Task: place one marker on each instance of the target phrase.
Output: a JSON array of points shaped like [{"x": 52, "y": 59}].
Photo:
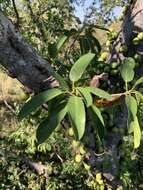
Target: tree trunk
[{"x": 21, "y": 59}]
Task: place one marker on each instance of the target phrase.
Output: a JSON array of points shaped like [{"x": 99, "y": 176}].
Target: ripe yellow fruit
[
  {"x": 75, "y": 144},
  {"x": 86, "y": 166},
  {"x": 100, "y": 59},
  {"x": 102, "y": 187},
  {"x": 104, "y": 55},
  {"x": 78, "y": 158},
  {"x": 111, "y": 29},
  {"x": 50, "y": 169},
  {"x": 98, "y": 176},
  {"x": 81, "y": 150},
  {"x": 108, "y": 43},
  {"x": 119, "y": 188},
  {"x": 100, "y": 182},
  {"x": 70, "y": 132},
  {"x": 140, "y": 36}
]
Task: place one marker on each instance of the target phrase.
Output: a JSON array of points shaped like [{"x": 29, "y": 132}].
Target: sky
[{"x": 80, "y": 11}]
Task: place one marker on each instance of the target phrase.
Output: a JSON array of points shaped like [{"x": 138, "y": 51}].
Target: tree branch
[{"x": 21, "y": 59}]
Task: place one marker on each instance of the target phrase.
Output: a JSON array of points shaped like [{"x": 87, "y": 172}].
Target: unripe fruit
[
  {"x": 114, "y": 72},
  {"x": 81, "y": 150},
  {"x": 120, "y": 18},
  {"x": 107, "y": 69},
  {"x": 24, "y": 96},
  {"x": 136, "y": 41},
  {"x": 78, "y": 158},
  {"x": 137, "y": 57},
  {"x": 114, "y": 35},
  {"x": 140, "y": 36},
  {"x": 114, "y": 65},
  {"x": 70, "y": 132},
  {"x": 123, "y": 49}
]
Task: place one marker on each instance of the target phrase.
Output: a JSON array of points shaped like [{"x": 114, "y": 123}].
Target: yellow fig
[
  {"x": 140, "y": 36},
  {"x": 70, "y": 132},
  {"x": 119, "y": 188},
  {"x": 100, "y": 182},
  {"x": 104, "y": 55},
  {"x": 75, "y": 144},
  {"x": 78, "y": 158},
  {"x": 82, "y": 150},
  {"x": 86, "y": 166},
  {"x": 98, "y": 176}
]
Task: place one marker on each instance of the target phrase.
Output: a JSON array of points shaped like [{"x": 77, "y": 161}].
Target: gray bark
[{"x": 21, "y": 59}]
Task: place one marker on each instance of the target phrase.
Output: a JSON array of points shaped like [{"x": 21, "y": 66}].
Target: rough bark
[{"x": 21, "y": 59}]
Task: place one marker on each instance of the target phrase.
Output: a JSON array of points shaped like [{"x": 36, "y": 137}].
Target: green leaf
[
  {"x": 140, "y": 96},
  {"x": 99, "y": 92},
  {"x": 98, "y": 113},
  {"x": 137, "y": 132},
  {"x": 84, "y": 44},
  {"x": 127, "y": 73},
  {"x": 46, "y": 128},
  {"x": 61, "y": 81},
  {"x": 139, "y": 81},
  {"x": 131, "y": 105},
  {"x": 95, "y": 45},
  {"x": 77, "y": 115},
  {"x": 37, "y": 101},
  {"x": 130, "y": 62},
  {"x": 97, "y": 122},
  {"x": 127, "y": 69},
  {"x": 79, "y": 67},
  {"x": 52, "y": 50},
  {"x": 86, "y": 95},
  {"x": 61, "y": 42}
]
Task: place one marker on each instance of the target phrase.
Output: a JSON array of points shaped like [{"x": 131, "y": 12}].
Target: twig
[
  {"x": 9, "y": 107},
  {"x": 16, "y": 13}
]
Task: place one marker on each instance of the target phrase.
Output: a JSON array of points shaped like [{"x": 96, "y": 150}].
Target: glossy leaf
[
  {"x": 62, "y": 82},
  {"x": 61, "y": 42},
  {"x": 130, "y": 62},
  {"x": 131, "y": 105},
  {"x": 86, "y": 95},
  {"x": 127, "y": 69},
  {"x": 95, "y": 45},
  {"x": 37, "y": 101},
  {"x": 77, "y": 115},
  {"x": 137, "y": 132},
  {"x": 139, "y": 81},
  {"x": 79, "y": 67},
  {"x": 98, "y": 113},
  {"x": 127, "y": 73},
  {"x": 97, "y": 124},
  {"x": 99, "y": 92},
  {"x": 46, "y": 128}
]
